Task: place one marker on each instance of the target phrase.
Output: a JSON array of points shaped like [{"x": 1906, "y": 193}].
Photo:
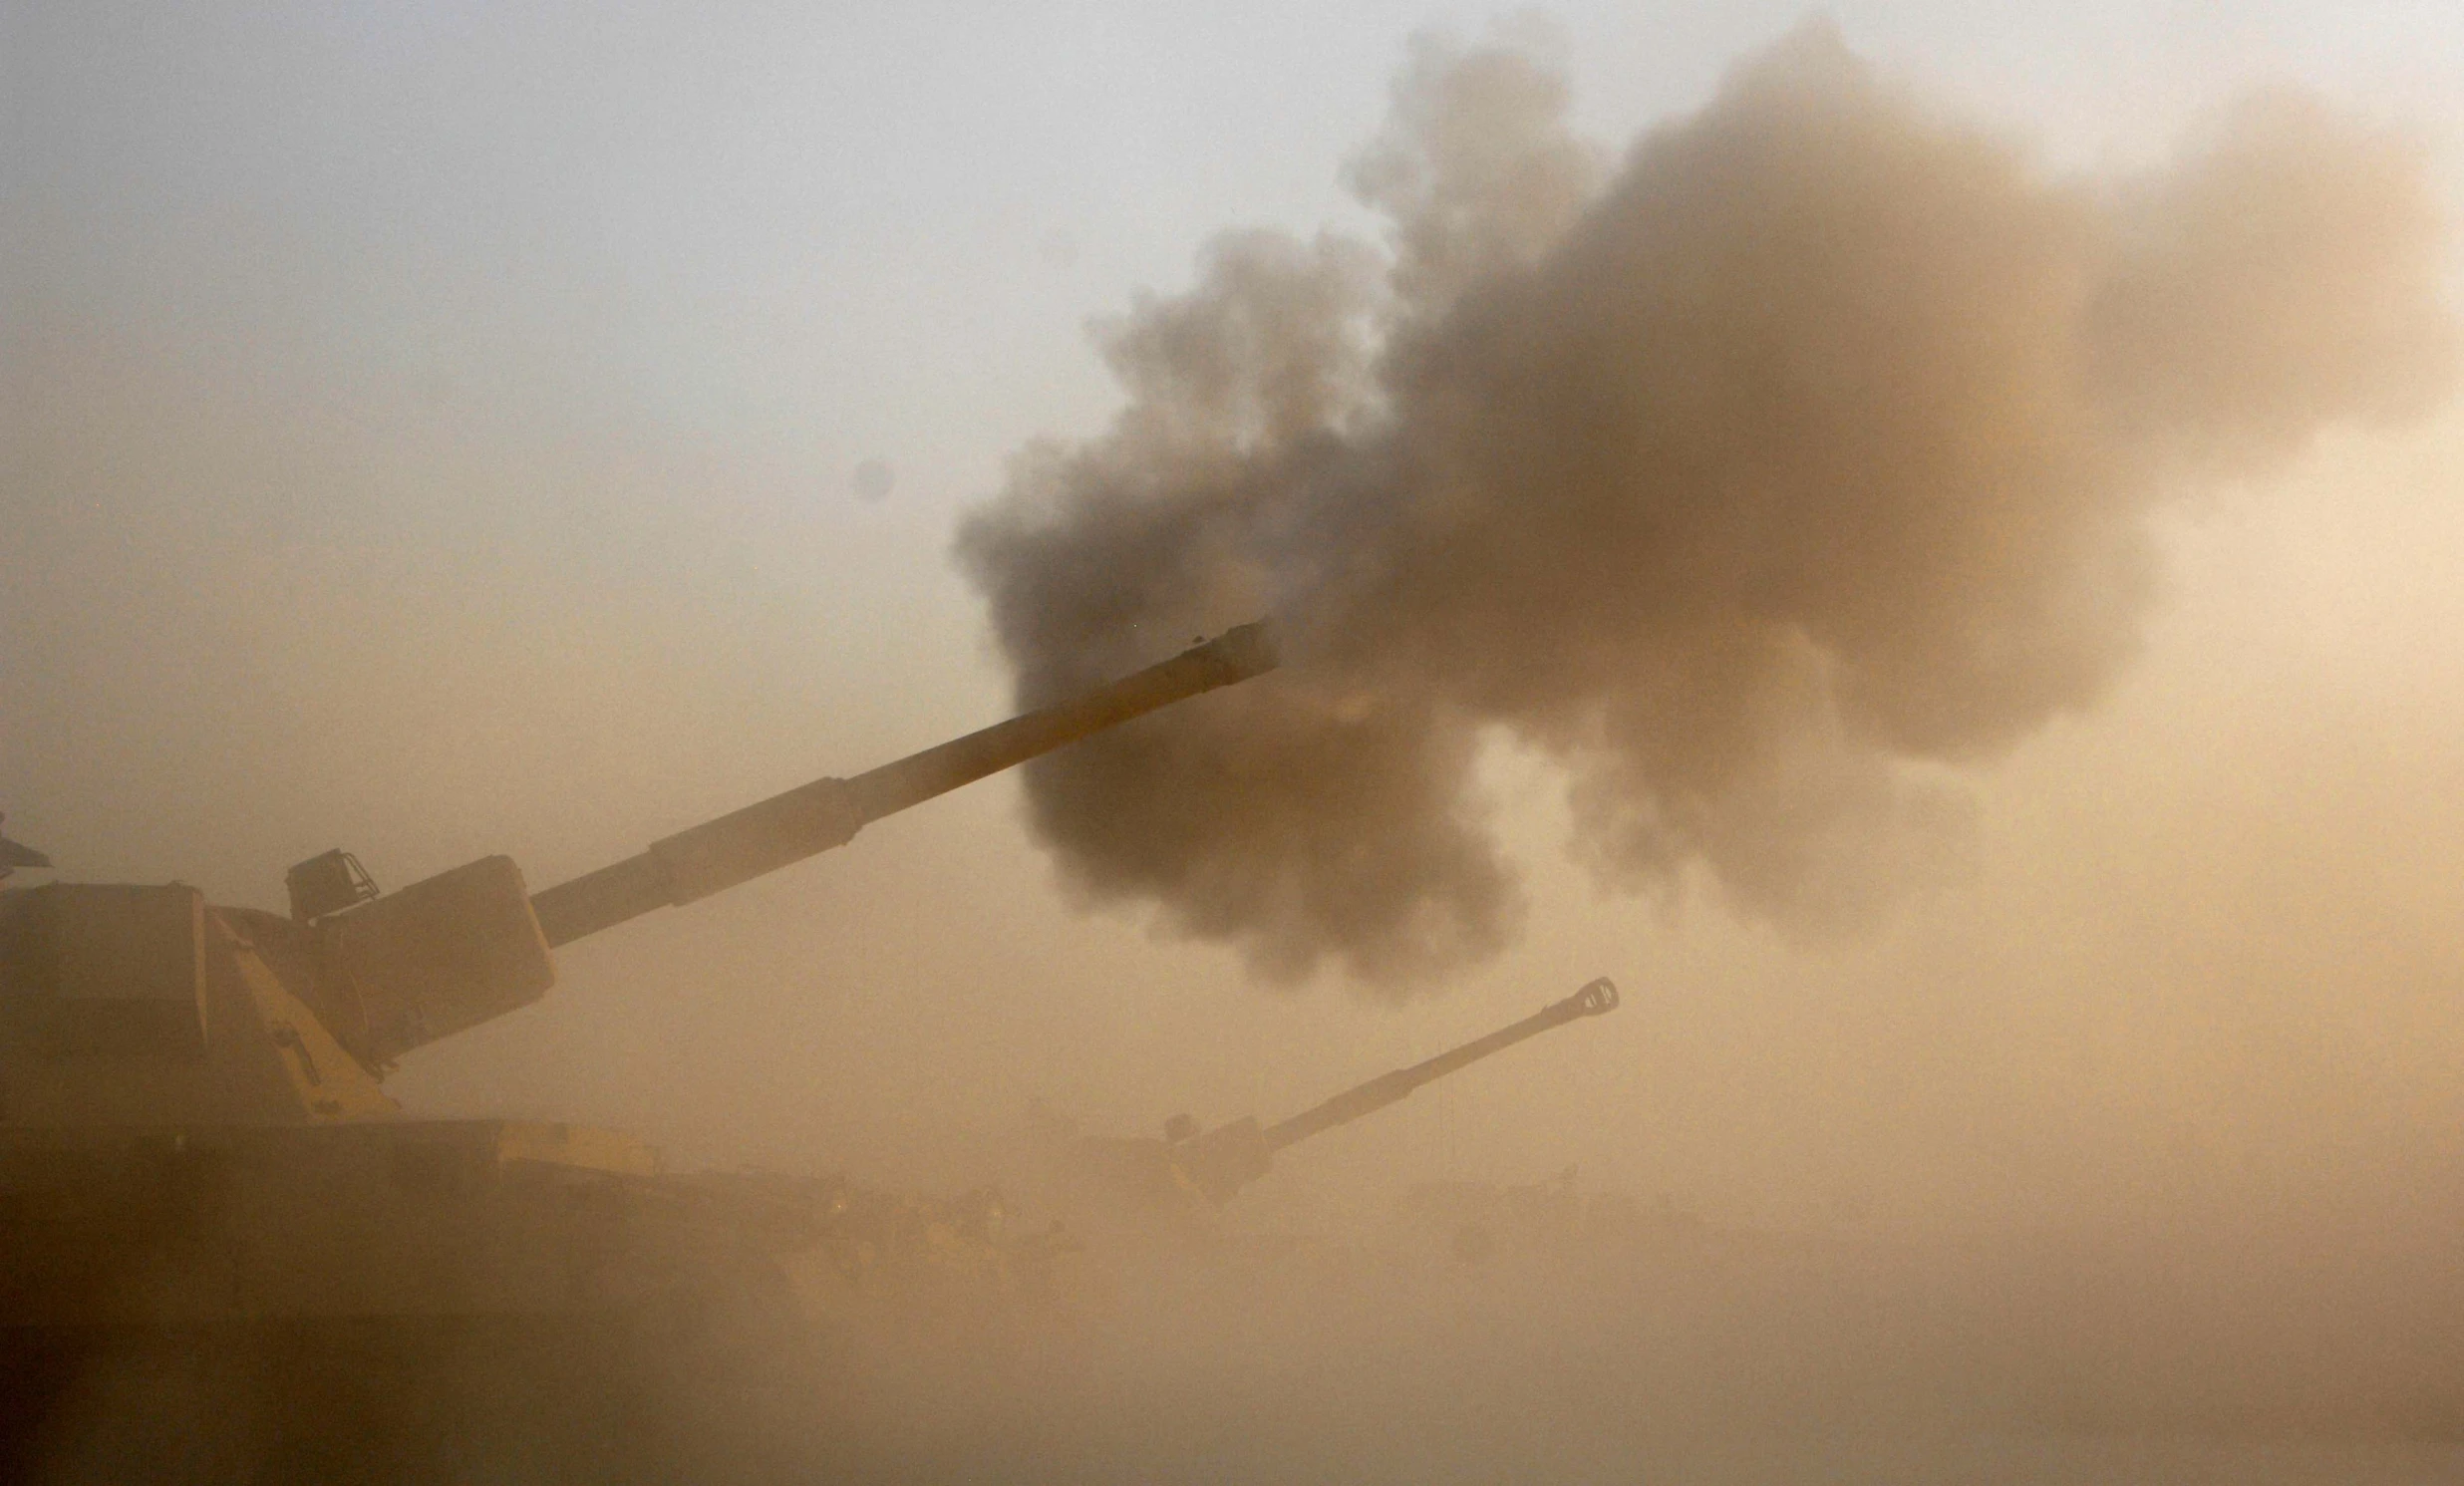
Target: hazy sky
[{"x": 433, "y": 432}]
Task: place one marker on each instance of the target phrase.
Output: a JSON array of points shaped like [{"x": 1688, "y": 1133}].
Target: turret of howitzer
[
  {"x": 137, "y": 1005},
  {"x": 1223, "y": 1160}
]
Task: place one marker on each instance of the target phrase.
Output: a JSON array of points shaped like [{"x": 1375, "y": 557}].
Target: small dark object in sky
[{"x": 875, "y": 479}]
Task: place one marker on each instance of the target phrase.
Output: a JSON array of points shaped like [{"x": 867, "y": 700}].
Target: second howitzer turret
[{"x": 1220, "y": 1162}]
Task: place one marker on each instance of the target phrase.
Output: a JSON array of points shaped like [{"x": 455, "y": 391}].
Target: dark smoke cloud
[{"x": 1811, "y": 450}]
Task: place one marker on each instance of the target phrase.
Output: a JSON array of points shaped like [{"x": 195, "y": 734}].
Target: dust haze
[
  {"x": 1815, "y": 446},
  {"x": 2043, "y": 771}
]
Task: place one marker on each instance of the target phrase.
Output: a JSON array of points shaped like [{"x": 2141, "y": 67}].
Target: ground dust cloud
[{"x": 1811, "y": 450}]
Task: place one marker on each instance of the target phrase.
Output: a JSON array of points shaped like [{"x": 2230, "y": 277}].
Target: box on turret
[{"x": 104, "y": 969}]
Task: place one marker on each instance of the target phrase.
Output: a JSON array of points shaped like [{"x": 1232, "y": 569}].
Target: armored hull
[{"x": 211, "y": 1225}]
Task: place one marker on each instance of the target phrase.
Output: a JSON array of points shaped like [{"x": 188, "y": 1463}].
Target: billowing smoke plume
[{"x": 1810, "y": 449}]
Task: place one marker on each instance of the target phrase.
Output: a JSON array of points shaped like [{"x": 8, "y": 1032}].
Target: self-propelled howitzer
[
  {"x": 193, "y": 1135},
  {"x": 1218, "y": 1163}
]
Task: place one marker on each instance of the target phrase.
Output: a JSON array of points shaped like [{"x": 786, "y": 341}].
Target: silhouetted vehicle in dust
[{"x": 195, "y": 1140}]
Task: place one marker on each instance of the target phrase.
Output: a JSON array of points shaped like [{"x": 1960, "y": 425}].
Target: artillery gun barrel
[
  {"x": 1596, "y": 999},
  {"x": 813, "y": 818}
]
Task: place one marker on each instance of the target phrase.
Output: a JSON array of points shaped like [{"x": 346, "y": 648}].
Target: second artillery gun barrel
[
  {"x": 1230, "y": 1157},
  {"x": 814, "y": 817},
  {"x": 1595, "y": 999}
]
